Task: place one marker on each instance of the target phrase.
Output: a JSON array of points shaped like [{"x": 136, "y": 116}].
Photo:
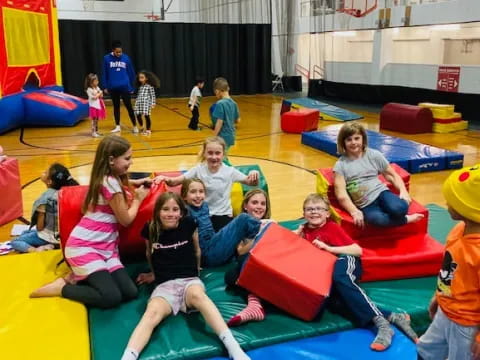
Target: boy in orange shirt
[{"x": 455, "y": 307}]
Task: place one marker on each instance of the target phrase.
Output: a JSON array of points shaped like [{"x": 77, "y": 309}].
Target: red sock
[{"x": 252, "y": 312}]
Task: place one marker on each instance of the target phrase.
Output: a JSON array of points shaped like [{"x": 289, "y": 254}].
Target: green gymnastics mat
[{"x": 188, "y": 337}]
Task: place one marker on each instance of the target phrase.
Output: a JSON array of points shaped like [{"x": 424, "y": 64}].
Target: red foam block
[
  {"x": 407, "y": 119},
  {"x": 409, "y": 257},
  {"x": 289, "y": 272},
  {"x": 11, "y": 206},
  {"x": 298, "y": 121},
  {"x": 70, "y": 202}
]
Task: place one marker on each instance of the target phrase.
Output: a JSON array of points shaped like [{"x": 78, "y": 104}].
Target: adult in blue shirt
[{"x": 118, "y": 75}]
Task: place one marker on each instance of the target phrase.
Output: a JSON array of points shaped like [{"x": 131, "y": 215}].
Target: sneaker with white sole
[
  {"x": 135, "y": 130},
  {"x": 116, "y": 129},
  {"x": 96, "y": 135}
]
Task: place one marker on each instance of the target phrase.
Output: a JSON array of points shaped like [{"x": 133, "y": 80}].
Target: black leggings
[
  {"x": 194, "y": 120},
  {"x": 219, "y": 221},
  {"x": 127, "y": 101},
  {"x": 102, "y": 289},
  {"x": 147, "y": 120}
]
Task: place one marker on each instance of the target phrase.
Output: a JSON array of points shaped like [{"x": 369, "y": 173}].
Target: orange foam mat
[{"x": 48, "y": 328}]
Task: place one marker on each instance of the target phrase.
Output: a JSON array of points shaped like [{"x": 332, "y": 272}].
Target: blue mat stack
[
  {"x": 410, "y": 155},
  {"x": 327, "y": 111}
]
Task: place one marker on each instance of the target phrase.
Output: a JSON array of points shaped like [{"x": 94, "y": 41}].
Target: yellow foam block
[
  {"x": 47, "y": 328},
  {"x": 440, "y": 111},
  {"x": 236, "y": 197},
  {"x": 454, "y": 115},
  {"x": 447, "y": 128},
  {"x": 322, "y": 189}
]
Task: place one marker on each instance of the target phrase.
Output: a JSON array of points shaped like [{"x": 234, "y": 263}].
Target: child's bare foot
[
  {"x": 52, "y": 289},
  {"x": 412, "y": 218},
  {"x": 45, "y": 248}
]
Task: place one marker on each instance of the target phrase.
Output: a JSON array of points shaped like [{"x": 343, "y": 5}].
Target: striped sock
[{"x": 253, "y": 312}]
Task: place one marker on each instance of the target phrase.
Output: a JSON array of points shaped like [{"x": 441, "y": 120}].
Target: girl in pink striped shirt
[{"x": 99, "y": 278}]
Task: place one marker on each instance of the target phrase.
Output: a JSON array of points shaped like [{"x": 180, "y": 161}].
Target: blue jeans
[
  {"x": 222, "y": 247},
  {"x": 446, "y": 339},
  {"x": 387, "y": 210},
  {"x": 28, "y": 239}
]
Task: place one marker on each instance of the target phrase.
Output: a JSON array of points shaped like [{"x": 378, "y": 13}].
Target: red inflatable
[
  {"x": 70, "y": 202},
  {"x": 407, "y": 119},
  {"x": 298, "y": 121},
  {"x": 177, "y": 188},
  {"x": 390, "y": 253},
  {"x": 11, "y": 206},
  {"x": 289, "y": 272}
]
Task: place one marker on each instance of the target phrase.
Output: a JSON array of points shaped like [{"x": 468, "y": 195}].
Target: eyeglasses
[{"x": 315, "y": 209}]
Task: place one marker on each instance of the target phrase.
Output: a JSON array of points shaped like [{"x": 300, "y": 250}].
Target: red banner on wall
[{"x": 448, "y": 78}]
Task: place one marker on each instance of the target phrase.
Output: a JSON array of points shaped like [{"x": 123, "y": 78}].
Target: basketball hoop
[{"x": 88, "y": 5}]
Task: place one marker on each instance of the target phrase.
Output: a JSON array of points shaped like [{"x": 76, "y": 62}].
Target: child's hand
[
  {"x": 476, "y": 346},
  {"x": 159, "y": 178},
  {"x": 432, "y": 308},
  {"x": 253, "y": 177},
  {"x": 321, "y": 245},
  {"x": 244, "y": 247},
  {"x": 191, "y": 108},
  {"x": 299, "y": 230},
  {"x": 358, "y": 218},
  {"x": 404, "y": 195},
  {"x": 141, "y": 193},
  {"x": 145, "y": 278}
]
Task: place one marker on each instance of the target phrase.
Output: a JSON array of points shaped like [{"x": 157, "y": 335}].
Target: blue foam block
[
  {"x": 410, "y": 155},
  {"x": 331, "y": 110},
  {"x": 344, "y": 345}
]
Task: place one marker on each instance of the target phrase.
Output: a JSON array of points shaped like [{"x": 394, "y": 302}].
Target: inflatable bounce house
[{"x": 30, "y": 77}]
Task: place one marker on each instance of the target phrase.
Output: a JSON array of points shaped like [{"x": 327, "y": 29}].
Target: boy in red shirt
[
  {"x": 455, "y": 307},
  {"x": 329, "y": 236}
]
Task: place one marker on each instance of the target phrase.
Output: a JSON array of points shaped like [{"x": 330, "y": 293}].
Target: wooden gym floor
[{"x": 286, "y": 163}]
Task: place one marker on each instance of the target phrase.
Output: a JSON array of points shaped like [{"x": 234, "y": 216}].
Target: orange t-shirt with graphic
[{"x": 458, "y": 284}]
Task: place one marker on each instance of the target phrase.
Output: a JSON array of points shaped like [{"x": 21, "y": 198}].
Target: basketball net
[
  {"x": 88, "y": 5},
  {"x": 344, "y": 20}
]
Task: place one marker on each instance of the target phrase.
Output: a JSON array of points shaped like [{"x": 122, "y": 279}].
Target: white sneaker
[
  {"x": 116, "y": 129},
  {"x": 135, "y": 130},
  {"x": 96, "y": 135}
]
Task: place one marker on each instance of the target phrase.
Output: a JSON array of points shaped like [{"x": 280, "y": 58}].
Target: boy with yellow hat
[{"x": 455, "y": 307}]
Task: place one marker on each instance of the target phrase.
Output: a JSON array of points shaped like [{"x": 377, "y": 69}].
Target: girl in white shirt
[{"x": 96, "y": 105}]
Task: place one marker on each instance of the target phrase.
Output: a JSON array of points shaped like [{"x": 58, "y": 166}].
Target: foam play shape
[
  {"x": 450, "y": 127},
  {"x": 30, "y": 67},
  {"x": 48, "y": 328},
  {"x": 11, "y": 206},
  {"x": 410, "y": 155},
  {"x": 327, "y": 111},
  {"x": 70, "y": 200},
  {"x": 407, "y": 119},
  {"x": 299, "y": 120},
  {"x": 439, "y": 110},
  {"x": 394, "y": 253},
  {"x": 343, "y": 345},
  {"x": 289, "y": 272}
]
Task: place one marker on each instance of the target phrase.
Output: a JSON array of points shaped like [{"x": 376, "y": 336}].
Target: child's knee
[
  {"x": 196, "y": 296},
  {"x": 110, "y": 299}
]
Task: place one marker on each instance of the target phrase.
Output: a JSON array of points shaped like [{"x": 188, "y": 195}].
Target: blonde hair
[
  {"x": 211, "y": 140},
  {"x": 250, "y": 194},
  {"x": 314, "y": 198},
  {"x": 186, "y": 186},
  {"x": 220, "y": 84},
  {"x": 110, "y": 146},
  {"x": 347, "y": 130},
  {"x": 155, "y": 225}
]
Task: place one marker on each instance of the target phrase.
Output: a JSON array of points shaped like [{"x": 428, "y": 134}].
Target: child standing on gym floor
[
  {"x": 96, "y": 106},
  {"x": 146, "y": 99},
  {"x": 225, "y": 115},
  {"x": 455, "y": 308},
  {"x": 194, "y": 103}
]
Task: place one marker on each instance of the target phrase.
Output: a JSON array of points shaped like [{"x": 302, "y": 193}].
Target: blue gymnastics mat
[
  {"x": 343, "y": 345},
  {"x": 327, "y": 111},
  {"x": 410, "y": 155}
]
